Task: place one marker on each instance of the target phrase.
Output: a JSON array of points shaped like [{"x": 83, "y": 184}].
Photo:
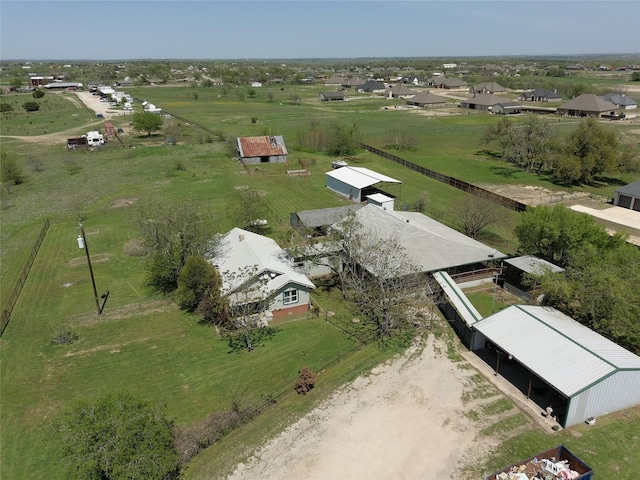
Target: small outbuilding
[
  {"x": 265, "y": 149},
  {"x": 514, "y": 271},
  {"x": 331, "y": 96},
  {"x": 561, "y": 363},
  {"x": 356, "y": 183},
  {"x": 628, "y": 196}
]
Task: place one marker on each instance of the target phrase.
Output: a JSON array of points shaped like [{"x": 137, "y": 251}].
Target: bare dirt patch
[
  {"x": 123, "y": 202},
  {"x": 535, "y": 195},
  {"x": 404, "y": 420}
]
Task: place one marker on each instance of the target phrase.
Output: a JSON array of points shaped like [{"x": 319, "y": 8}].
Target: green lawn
[{"x": 143, "y": 343}]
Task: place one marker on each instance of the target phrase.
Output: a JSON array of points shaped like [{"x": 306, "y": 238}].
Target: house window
[{"x": 290, "y": 296}]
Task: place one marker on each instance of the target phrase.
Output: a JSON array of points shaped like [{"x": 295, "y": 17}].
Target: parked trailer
[{"x": 73, "y": 143}]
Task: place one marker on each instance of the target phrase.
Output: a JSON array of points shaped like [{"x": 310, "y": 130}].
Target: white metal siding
[
  {"x": 343, "y": 188},
  {"x": 617, "y": 392}
]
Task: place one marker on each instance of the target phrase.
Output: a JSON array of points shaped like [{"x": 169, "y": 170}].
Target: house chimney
[{"x": 241, "y": 237}]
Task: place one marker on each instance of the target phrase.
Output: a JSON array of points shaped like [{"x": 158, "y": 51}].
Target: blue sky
[{"x": 115, "y": 29}]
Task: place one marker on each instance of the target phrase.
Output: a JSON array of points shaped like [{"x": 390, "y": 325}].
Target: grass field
[{"x": 142, "y": 342}]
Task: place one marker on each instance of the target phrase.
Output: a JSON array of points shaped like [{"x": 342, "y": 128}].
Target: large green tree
[
  {"x": 147, "y": 122},
  {"x": 600, "y": 289},
  {"x": 171, "y": 232},
  {"x": 586, "y": 152},
  {"x": 197, "y": 277},
  {"x": 556, "y": 233},
  {"x": 527, "y": 145},
  {"x": 116, "y": 436}
]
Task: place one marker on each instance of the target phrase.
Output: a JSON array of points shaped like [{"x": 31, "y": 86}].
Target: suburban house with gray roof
[
  {"x": 399, "y": 90},
  {"x": 371, "y": 86},
  {"x": 426, "y": 99},
  {"x": 284, "y": 287},
  {"x": 483, "y": 101},
  {"x": 540, "y": 95},
  {"x": 264, "y": 149},
  {"x": 622, "y": 101},
  {"x": 629, "y": 197},
  {"x": 488, "y": 87},
  {"x": 589, "y": 105}
]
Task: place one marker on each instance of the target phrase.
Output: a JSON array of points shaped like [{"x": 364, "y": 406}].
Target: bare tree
[
  {"x": 400, "y": 139},
  {"x": 476, "y": 213},
  {"x": 248, "y": 299}
]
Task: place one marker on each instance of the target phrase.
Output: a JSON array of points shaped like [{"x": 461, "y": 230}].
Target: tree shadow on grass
[
  {"x": 488, "y": 153},
  {"x": 503, "y": 171}
]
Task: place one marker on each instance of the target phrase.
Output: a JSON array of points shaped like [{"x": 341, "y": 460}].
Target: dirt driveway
[{"x": 403, "y": 421}]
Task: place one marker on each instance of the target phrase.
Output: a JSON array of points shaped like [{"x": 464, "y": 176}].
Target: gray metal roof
[
  {"x": 632, "y": 189},
  {"x": 458, "y": 299},
  {"x": 531, "y": 264},
  {"x": 241, "y": 249},
  {"x": 326, "y": 216},
  {"x": 563, "y": 352},
  {"x": 359, "y": 177},
  {"x": 429, "y": 244},
  {"x": 487, "y": 99}
]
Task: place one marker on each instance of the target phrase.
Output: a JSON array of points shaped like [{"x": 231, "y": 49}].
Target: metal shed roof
[
  {"x": 563, "y": 352},
  {"x": 261, "y": 146},
  {"x": 429, "y": 244},
  {"x": 458, "y": 299},
  {"x": 326, "y": 216},
  {"x": 531, "y": 264},
  {"x": 360, "y": 177}
]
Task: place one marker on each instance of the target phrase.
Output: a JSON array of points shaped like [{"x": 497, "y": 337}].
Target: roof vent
[{"x": 241, "y": 237}]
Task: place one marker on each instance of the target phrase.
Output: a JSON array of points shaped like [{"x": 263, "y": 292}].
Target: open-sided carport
[{"x": 586, "y": 374}]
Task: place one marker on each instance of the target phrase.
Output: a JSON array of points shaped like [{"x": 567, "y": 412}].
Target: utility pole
[{"x": 82, "y": 243}]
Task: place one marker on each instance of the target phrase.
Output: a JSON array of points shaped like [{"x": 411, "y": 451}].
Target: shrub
[
  {"x": 306, "y": 381},
  {"x": 61, "y": 334},
  {"x": 31, "y": 106},
  {"x": 11, "y": 171},
  {"x": 6, "y": 107},
  {"x": 38, "y": 93}
]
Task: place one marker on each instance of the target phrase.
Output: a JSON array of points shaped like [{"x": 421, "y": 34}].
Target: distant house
[
  {"x": 356, "y": 183},
  {"x": 540, "y": 95},
  {"x": 426, "y": 99},
  {"x": 588, "y": 105},
  {"x": 335, "y": 81},
  {"x": 330, "y": 96},
  {"x": 506, "y": 108},
  {"x": 256, "y": 84},
  {"x": 449, "y": 65},
  {"x": 285, "y": 288},
  {"x": 371, "y": 86},
  {"x": 353, "y": 82},
  {"x": 266, "y": 149},
  {"x": 451, "y": 83},
  {"x": 629, "y": 197},
  {"x": 488, "y": 87},
  {"x": 482, "y": 101},
  {"x": 399, "y": 91},
  {"x": 621, "y": 101}
]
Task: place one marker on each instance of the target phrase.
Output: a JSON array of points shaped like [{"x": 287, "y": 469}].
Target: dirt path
[
  {"x": 91, "y": 102},
  {"x": 403, "y": 421}
]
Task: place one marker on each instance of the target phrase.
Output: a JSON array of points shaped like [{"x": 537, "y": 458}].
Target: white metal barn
[
  {"x": 356, "y": 183},
  {"x": 589, "y": 375}
]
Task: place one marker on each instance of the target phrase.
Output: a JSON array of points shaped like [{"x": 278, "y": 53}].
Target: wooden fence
[
  {"x": 15, "y": 294},
  {"x": 454, "y": 182}
]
